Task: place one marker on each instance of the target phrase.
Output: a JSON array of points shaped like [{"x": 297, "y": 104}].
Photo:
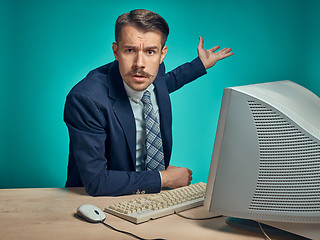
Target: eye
[
  {"x": 150, "y": 52},
  {"x": 129, "y": 50}
]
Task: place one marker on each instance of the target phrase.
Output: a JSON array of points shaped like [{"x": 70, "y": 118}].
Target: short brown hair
[{"x": 143, "y": 20}]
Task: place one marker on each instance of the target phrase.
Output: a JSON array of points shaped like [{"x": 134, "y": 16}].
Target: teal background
[{"x": 48, "y": 46}]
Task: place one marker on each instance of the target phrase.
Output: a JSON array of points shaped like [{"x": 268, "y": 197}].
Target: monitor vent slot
[{"x": 289, "y": 168}]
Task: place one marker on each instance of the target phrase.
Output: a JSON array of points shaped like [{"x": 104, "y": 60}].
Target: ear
[
  {"x": 115, "y": 50},
  {"x": 163, "y": 53}
]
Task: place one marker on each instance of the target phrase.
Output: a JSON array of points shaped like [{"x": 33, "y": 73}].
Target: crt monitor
[{"x": 266, "y": 158}]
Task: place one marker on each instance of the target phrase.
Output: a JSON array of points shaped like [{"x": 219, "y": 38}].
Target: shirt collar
[{"x": 136, "y": 95}]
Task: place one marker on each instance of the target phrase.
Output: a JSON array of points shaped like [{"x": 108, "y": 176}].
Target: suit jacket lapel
[{"x": 122, "y": 108}]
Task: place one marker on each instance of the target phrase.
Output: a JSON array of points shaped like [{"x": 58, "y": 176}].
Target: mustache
[{"x": 140, "y": 72}]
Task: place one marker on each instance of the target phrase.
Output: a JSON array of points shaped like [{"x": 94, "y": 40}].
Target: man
[{"x": 116, "y": 109}]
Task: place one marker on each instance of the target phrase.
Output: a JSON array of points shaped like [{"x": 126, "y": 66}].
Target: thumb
[{"x": 200, "y": 45}]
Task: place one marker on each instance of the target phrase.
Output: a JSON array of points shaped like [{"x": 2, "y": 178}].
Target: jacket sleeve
[
  {"x": 87, "y": 161},
  {"x": 184, "y": 74}
]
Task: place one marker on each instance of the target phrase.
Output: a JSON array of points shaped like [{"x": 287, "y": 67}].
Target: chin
[{"x": 140, "y": 87}]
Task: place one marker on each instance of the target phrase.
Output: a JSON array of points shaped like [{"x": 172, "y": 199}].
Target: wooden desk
[{"x": 49, "y": 214}]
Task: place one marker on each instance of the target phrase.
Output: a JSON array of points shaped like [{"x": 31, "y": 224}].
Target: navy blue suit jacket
[{"x": 98, "y": 114}]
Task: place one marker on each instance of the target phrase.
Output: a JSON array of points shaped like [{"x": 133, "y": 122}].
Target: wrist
[
  {"x": 207, "y": 65},
  {"x": 164, "y": 178}
]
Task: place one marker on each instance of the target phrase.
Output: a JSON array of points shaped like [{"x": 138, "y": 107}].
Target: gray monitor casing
[{"x": 266, "y": 159}]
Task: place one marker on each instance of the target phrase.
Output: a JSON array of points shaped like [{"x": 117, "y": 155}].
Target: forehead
[{"x": 132, "y": 36}]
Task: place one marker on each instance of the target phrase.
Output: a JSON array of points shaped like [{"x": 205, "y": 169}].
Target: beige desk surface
[{"x": 49, "y": 214}]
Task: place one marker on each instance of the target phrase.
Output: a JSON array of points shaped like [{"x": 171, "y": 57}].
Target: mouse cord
[
  {"x": 128, "y": 233},
  {"x": 190, "y": 218}
]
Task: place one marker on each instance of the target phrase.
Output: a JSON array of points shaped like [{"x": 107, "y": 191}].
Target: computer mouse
[{"x": 91, "y": 213}]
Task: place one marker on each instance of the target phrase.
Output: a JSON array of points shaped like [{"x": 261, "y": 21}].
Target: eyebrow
[
  {"x": 135, "y": 47},
  {"x": 152, "y": 47}
]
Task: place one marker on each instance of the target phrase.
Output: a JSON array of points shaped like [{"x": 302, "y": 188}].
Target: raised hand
[{"x": 210, "y": 57}]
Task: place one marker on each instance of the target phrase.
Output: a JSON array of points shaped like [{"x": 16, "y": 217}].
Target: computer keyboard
[{"x": 152, "y": 206}]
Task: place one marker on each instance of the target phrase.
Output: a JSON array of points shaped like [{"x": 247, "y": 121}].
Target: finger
[
  {"x": 225, "y": 55},
  {"x": 189, "y": 182},
  {"x": 200, "y": 45},
  {"x": 226, "y": 50},
  {"x": 214, "y": 49},
  {"x": 229, "y": 54}
]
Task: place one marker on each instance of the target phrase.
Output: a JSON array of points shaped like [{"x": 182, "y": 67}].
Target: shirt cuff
[{"x": 160, "y": 178}]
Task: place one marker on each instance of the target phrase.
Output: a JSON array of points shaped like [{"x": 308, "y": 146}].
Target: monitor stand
[{"x": 253, "y": 226}]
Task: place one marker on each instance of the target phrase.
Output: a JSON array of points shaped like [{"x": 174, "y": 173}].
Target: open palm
[{"x": 210, "y": 57}]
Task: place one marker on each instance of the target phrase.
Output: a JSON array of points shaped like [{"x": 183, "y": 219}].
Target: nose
[{"x": 139, "y": 60}]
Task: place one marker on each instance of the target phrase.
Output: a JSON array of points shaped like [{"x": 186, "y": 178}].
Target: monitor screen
[{"x": 266, "y": 159}]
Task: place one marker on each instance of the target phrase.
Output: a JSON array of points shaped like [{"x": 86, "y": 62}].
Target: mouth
[
  {"x": 139, "y": 74},
  {"x": 139, "y": 77}
]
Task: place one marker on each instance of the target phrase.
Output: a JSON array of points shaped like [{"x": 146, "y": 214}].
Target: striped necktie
[{"x": 154, "y": 156}]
